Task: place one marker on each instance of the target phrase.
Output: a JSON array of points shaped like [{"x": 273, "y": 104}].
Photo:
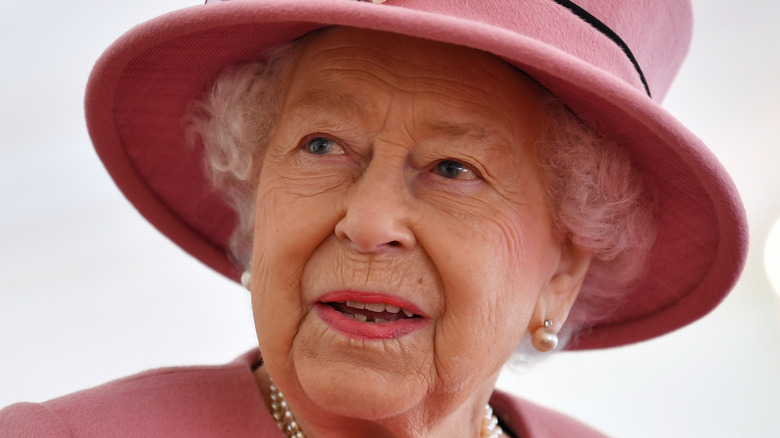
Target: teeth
[
  {"x": 360, "y": 317},
  {"x": 380, "y": 320},
  {"x": 376, "y": 307},
  {"x": 356, "y": 304}
]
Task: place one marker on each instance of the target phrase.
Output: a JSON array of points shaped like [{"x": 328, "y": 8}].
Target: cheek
[
  {"x": 289, "y": 226},
  {"x": 294, "y": 214},
  {"x": 492, "y": 274}
]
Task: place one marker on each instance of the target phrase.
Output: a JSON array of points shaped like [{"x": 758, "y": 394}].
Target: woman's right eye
[{"x": 320, "y": 146}]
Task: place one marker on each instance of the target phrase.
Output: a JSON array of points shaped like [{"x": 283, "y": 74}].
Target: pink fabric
[
  {"x": 141, "y": 86},
  {"x": 213, "y": 402}
]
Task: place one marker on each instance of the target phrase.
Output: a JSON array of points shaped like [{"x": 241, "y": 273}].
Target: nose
[{"x": 377, "y": 211}]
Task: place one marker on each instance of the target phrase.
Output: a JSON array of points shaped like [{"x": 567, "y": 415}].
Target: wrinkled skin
[{"x": 355, "y": 193}]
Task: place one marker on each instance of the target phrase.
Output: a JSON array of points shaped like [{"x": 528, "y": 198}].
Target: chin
[{"x": 351, "y": 391}]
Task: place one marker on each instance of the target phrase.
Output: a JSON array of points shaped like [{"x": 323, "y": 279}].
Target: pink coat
[{"x": 214, "y": 402}]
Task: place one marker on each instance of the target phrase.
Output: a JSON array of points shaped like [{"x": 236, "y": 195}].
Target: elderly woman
[{"x": 413, "y": 192}]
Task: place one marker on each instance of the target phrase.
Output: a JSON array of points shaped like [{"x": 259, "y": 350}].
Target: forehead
[{"x": 343, "y": 66}]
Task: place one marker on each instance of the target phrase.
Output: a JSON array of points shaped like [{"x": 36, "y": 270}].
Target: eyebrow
[
  {"x": 473, "y": 131},
  {"x": 341, "y": 102}
]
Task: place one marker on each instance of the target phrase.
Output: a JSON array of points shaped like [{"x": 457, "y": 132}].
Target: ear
[{"x": 561, "y": 290}]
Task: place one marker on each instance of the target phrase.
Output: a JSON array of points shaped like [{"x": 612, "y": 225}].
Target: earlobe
[{"x": 561, "y": 290}]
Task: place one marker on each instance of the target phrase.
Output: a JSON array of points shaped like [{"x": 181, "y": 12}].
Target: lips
[{"x": 365, "y": 316}]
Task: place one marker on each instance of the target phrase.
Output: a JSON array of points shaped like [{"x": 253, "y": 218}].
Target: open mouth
[
  {"x": 369, "y": 316},
  {"x": 372, "y": 312}
]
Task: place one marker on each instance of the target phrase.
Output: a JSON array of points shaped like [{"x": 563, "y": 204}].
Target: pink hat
[{"x": 610, "y": 61}]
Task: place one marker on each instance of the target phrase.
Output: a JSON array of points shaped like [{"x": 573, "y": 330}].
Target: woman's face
[{"x": 399, "y": 181}]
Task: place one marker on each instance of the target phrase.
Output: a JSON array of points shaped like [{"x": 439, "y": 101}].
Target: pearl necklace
[{"x": 280, "y": 410}]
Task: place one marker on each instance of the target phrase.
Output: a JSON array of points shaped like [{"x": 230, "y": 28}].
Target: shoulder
[
  {"x": 171, "y": 402},
  {"x": 530, "y": 420}
]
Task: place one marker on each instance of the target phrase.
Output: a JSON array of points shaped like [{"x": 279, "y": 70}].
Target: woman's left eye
[
  {"x": 320, "y": 145},
  {"x": 453, "y": 169}
]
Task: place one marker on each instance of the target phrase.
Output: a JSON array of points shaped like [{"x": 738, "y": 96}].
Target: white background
[{"x": 89, "y": 292}]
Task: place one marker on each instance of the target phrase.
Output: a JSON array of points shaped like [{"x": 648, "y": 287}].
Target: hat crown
[
  {"x": 642, "y": 42},
  {"x": 656, "y": 33}
]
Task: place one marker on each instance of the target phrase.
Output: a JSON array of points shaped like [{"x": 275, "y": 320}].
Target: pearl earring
[
  {"x": 246, "y": 279},
  {"x": 544, "y": 338}
]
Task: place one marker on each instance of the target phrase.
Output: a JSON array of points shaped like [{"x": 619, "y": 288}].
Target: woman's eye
[
  {"x": 454, "y": 170},
  {"x": 320, "y": 146}
]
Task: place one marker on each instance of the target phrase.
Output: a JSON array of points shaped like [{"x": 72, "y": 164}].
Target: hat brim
[{"x": 141, "y": 86}]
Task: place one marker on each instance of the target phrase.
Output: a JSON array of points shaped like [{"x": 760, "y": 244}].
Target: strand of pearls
[
  {"x": 282, "y": 414},
  {"x": 280, "y": 410},
  {"x": 490, "y": 426}
]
